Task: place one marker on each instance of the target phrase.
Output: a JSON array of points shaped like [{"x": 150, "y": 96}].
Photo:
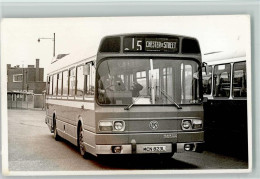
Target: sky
[{"x": 20, "y": 46}]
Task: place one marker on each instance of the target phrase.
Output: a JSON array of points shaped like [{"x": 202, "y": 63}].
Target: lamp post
[{"x": 53, "y": 42}]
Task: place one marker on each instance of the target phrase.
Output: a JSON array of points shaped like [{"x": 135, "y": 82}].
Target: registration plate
[{"x": 154, "y": 148}]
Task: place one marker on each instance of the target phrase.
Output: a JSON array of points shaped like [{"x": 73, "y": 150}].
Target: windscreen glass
[{"x": 147, "y": 81}]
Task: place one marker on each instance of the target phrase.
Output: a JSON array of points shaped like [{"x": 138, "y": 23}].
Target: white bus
[
  {"x": 225, "y": 86},
  {"x": 141, "y": 94}
]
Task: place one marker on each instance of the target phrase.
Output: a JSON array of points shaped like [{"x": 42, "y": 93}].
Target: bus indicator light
[
  {"x": 116, "y": 149},
  {"x": 197, "y": 124},
  {"x": 105, "y": 126},
  {"x": 187, "y": 147}
]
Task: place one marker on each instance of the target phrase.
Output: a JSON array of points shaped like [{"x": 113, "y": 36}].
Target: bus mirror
[
  {"x": 93, "y": 64},
  {"x": 86, "y": 69},
  {"x": 204, "y": 68}
]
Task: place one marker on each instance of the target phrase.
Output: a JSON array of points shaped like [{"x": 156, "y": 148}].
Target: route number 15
[{"x": 137, "y": 45}]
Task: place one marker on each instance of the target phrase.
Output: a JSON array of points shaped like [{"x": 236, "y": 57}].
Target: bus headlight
[
  {"x": 105, "y": 125},
  {"x": 119, "y": 125},
  {"x": 186, "y": 124},
  {"x": 189, "y": 124}
]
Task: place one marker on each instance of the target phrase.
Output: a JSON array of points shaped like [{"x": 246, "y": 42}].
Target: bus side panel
[
  {"x": 90, "y": 142},
  {"x": 68, "y": 114}
]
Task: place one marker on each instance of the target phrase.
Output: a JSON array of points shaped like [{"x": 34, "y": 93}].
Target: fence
[{"x": 25, "y": 100}]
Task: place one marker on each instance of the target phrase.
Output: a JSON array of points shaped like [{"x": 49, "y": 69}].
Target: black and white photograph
[{"x": 126, "y": 95}]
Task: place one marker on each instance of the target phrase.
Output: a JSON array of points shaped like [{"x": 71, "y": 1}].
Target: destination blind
[{"x": 151, "y": 44}]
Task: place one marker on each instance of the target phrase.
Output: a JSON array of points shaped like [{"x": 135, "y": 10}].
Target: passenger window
[
  {"x": 80, "y": 82},
  {"x": 239, "y": 80},
  {"x": 90, "y": 82},
  {"x": 50, "y": 85},
  {"x": 59, "y": 83},
  {"x": 72, "y": 82},
  {"x": 222, "y": 80},
  {"x": 207, "y": 81},
  {"x": 65, "y": 83},
  {"x": 55, "y": 84}
]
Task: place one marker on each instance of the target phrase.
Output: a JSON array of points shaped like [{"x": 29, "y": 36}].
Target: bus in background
[
  {"x": 225, "y": 86},
  {"x": 141, "y": 94}
]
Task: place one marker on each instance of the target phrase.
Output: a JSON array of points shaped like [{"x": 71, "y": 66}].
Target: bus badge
[{"x": 154, "y": 125}]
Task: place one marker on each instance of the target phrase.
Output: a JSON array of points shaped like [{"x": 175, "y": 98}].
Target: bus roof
[
  {"x": 224, "y": 57},
  {"x": 69, "y": 60},
  {"x": 147, "y": 34}
]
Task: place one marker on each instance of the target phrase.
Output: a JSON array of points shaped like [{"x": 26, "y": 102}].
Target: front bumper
[
  {"x": 140, "y": 148},
  {"x": 135, "y": 143}
]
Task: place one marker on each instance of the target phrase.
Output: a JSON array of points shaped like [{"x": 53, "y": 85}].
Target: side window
[
  {"x": 51, "y": 85},
  {"x": 59, "y": 83},
  {"x": 239, "y": 80},
  {"x": 65, "y": 83},
  {"x": 207, "y": 81},
  {"x": 93, "y": 80},
  {"x": 80, "y": 82},
  {"x": 55, "y": 84},
  {"x": 72, "y": 82},
  {"x": 48, "y": 85},
  {"x": 221, "y": 80},
  {"x": 186, "y": 81},
  {"x": 90, "y": 82}
]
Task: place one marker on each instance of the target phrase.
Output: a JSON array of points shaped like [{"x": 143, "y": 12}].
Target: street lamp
[{"x": 39, "y": 39}]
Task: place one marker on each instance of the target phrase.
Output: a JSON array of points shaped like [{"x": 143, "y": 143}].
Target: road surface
[{"x": 33, "y": 148}]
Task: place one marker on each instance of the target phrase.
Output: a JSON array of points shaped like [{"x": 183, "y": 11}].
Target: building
[
  {"x": 25, "y": 86},
  {"x": 28, "y": 79}
]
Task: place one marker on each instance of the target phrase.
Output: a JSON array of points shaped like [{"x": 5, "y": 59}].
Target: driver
[{"x": 108, "y": 83}]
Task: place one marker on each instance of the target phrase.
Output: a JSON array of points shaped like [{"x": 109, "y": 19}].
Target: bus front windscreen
[{"x": 147, "y": 81}]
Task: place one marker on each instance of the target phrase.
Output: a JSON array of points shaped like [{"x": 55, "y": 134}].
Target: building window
[{"x": 18, "y": 78}]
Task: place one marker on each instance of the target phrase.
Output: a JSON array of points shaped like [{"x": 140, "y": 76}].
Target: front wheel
[
  {"x": 81, "y": 143},
  {"x": 55, "y": 132}
]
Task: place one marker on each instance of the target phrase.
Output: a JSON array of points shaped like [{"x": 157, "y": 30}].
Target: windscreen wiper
[
  {"x": 169, "y": 98},
  {"x": 130, "y": 105}
]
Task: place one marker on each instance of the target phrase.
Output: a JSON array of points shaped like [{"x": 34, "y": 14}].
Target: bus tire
[
  {"x": 81, "y": 143},
  {"x": 55, "y": 132}
]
